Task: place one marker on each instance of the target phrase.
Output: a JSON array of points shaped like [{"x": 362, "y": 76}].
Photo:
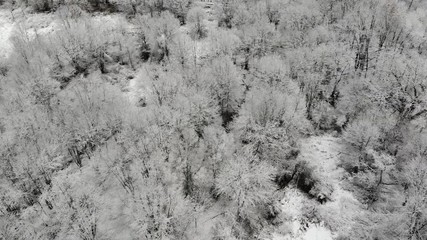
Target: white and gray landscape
[{"x": 213, "y": 120}]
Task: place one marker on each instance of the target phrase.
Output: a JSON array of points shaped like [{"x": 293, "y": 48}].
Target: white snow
[
  {"x": 33, "y": 24},
  {"x": 322, "y": 152},
  {"x": 318, "y": 233},
  {"x": 6, "y": 29}
]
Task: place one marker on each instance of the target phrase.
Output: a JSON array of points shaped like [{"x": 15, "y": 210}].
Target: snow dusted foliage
[{"x": 227, "y": 119}]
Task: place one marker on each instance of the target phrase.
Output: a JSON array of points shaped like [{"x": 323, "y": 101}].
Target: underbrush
[
  {"x": 53, "y": 5},
  {"x": 215, "y": 122},
  {"x": 77, "y": 48},
  {"x": 130, "y": 7}
]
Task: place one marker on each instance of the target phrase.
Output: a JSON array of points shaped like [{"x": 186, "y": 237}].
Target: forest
[{"x": 223, "y": 119}]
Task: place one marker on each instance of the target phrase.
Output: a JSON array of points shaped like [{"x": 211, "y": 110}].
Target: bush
[
  {"x": 327, "y": 118},
  {"x": 302, "y": 175}
]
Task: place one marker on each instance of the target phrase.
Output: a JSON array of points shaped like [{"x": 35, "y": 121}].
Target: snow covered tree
[
  {"x": 245, "y": 184},
  {"x": 196, "y": 17},
  {"x": 225, "y": 86}
]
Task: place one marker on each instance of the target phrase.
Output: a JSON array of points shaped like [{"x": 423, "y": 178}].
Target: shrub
[{"x": 302, "y": 175}]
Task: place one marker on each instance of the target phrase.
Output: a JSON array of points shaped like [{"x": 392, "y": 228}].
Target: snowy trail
[{"x": 322, "y": 152}]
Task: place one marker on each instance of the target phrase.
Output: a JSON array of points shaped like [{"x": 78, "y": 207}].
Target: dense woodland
[{"x": 176, "y": 119}]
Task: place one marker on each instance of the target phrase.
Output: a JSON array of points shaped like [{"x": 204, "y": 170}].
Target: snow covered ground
[
  {"x": 6, "y": 29},
  {"x": 322, "y": 152},
  {"x": 32, "y": 23}
]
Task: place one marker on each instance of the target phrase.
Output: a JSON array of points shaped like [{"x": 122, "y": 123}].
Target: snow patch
[
  {"x": 317, "y": 233},
  {"x": 6, "y": 30}
]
